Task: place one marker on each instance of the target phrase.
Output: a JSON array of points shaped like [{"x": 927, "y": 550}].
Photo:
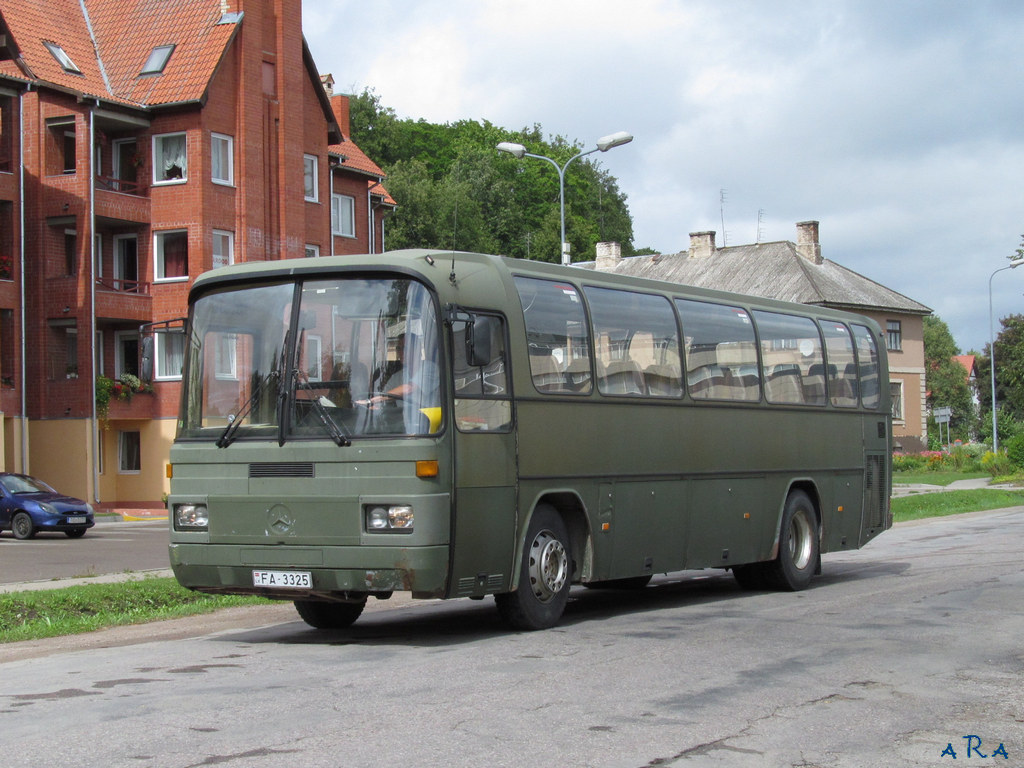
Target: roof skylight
[
  {"x": 157, "y": 60},
  {"x": 62, "y": 58}
]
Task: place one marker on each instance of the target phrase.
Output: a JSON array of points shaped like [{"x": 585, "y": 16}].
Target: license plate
[
  {"x": 76, "y": 521},
  {"x": 283, "y": 579}
]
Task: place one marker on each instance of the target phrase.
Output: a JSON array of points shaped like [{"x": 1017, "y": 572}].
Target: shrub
[
  {"x": 997, "y": 464},
  {"x": 908, "y": 462},
  {"x": 1015, "y": 450}
]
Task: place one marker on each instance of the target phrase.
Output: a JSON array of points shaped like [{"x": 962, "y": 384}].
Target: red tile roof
[
  {"x": 353, "y": 157},
  {"x": 111, "y": 41}
]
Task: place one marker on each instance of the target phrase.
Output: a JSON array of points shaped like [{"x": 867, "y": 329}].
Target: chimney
[
  {"x": 702, "y": 245},
  {"x": 608, "y": 256},
  {"x": 807, "y": 244},
  {"x": 340, "y": 107}
]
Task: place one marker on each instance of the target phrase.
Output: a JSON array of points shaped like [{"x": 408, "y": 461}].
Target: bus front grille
[{"x": 282, "y": 469}]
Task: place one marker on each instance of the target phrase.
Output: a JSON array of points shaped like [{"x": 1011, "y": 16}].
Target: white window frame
[
  {"x": 158, "y": 256},
  {"x": 220, "y": 139},
  {"x": 119, "y": 259},
  {"x": 223, "y": 240},
  {"x": 160, "y": 351},
  {"x": 227, "y": 353},
  {"x": 311, "y": 167},
  {"x": 119, "y": 338},
  {"x": 312, "y": 251},
  {"x": 897, "y": 385},
  {"x": 158, "y": 158},
  {"x": 337, "y": 228},
  {"x": 314, "y": 361},
  {"x": 121, "y": 452},
  {"x": 157, "y": 60},
  {"x": 62, "y": 57}
]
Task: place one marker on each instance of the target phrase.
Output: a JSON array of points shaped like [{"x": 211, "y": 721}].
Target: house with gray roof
[{"x": 797, "y": 272}]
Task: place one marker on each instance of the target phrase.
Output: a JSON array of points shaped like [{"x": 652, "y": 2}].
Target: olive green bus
[{"x": 463, "y": 425}]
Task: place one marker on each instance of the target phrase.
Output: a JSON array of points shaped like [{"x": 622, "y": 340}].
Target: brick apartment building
[{"x": 141, "y": 144}]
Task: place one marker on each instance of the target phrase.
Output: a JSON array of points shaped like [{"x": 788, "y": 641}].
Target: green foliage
[
  {"x": 997, "y": 464},
  {"x": 947, "y": 380},
  {"x": 1015, "y": 450},
  {"x": 455, "y": 190}
]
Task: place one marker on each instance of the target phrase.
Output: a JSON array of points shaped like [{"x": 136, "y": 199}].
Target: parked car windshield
[
  {"x": 25, "y": 484},
  {"x": 337, "y": 359}
]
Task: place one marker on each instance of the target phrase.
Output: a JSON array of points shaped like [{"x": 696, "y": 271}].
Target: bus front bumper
[{"x": 341, "y": 573}]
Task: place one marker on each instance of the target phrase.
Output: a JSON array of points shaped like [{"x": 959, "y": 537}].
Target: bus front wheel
[
  {"x": 323, "y": 615},
  {"x": 798, "y": 545},
  {"x": 545, "y": 575}
]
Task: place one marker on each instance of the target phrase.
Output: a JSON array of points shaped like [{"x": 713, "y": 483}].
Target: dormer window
[
  {"x": 157, "y": 60},
  {"x": 62, "y": 58}
]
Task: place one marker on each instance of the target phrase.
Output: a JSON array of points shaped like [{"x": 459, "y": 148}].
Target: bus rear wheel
[
  {"x": 545, "y": 575},
  {"x": 797, "y": 560},
  {"x": 322, "y": 615}
]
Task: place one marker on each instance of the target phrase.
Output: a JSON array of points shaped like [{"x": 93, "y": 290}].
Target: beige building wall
[
  {"x": 906, "y": 368},
  {"x": 61, "y": 454}
]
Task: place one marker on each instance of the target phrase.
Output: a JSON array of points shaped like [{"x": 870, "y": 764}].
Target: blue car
[{"x": 28, "y": 506}]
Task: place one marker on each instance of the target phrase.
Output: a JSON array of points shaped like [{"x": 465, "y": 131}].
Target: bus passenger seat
[{"x": 621, "y": 377}]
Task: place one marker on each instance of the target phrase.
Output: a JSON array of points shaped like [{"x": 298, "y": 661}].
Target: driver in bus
[{"x": 414, "y": 381}]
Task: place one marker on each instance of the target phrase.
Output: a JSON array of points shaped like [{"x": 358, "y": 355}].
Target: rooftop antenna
[
  {"x": 723, "y": 195},
  {"x": 760, "y": 220}
]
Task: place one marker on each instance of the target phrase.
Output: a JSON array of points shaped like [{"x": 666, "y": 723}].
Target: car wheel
[{"x": 22, "y": 526}]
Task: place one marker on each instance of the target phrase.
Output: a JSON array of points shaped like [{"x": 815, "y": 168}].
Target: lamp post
[
  {"x": 992, "y": 350},
  {"x": 603, "y": 145}
]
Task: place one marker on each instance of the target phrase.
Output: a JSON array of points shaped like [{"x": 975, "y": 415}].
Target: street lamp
[
  {"x": 992, "y": 350},
  {"x": 605, "y": 143}
]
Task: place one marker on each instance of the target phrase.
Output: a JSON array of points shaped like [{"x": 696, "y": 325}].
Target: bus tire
[
  {"x": 798, "y": 554},
  {"x": 545, "y": 575},
  {"x": 322, "y": 615}
]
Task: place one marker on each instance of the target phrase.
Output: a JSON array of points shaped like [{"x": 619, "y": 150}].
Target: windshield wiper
[
  {"x": 235, "y": 420},
  {"x": 332, "y": 427}
]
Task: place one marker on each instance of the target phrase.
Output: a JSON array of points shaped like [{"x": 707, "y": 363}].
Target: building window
[
  {"x": 225, "y": 367},
  {"x": 62, "y": 58},
  {"x": 893, "y": 335},
  {"x": 343, "y": 215},
  {"x": 169, "y": 354},
  {"x": 62, "y": 360},
  {"x": 170, "y": 158},
  {"x": 223, "y": 248},
  {"x": 70, "y": 247},
  {"x": 896, "y": 397},
  {"x": 171, "y": 248},
  {"x": 222, "y": 166},
  {"x": 129, "y": 452},
  {"x": 157, "y": 60},
  {"x": 7, "y": 346},
  {"x": 126, "y": 353},
  {"x": 126, "y": 263},
  {"x": 310, "y": 184},
  {"x": 312, "y": 251},
  {"x": 61, "y": 154}
]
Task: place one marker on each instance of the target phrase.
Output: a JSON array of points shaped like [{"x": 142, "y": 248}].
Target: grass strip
[
  {"x": 922, "y": 505},
  {"x": 87, "y": 607}
]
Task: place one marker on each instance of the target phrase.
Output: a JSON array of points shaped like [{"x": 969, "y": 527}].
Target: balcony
[
  {"x": 120, "y": 200},
  {"x": 123, "y": 299}
]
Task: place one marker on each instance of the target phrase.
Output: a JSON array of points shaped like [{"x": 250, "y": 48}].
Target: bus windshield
[{"x": 338, "y": 359}]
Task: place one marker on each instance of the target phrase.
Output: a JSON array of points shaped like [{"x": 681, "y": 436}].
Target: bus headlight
[
  {"x": 191, "y": 517},
  {"x": 397, "y": 518}
]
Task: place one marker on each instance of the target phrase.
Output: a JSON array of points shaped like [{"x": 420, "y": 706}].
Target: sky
[{"x": 899, "y": 126}]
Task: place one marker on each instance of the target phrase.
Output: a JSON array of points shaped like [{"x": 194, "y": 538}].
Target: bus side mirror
[
  {"x": 146, "y": 359},
  {"x": 478, "y": 341}
]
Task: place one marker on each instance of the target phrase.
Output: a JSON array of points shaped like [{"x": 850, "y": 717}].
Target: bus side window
[
  {"x": 721, "y": 354},
  {"x": 556, "y": 336},
  {"x": 867, "y": 366},
  {"x": 482, "y": 399},
  {"x": 637, "y": 343},
  {"x": 842, "y": 370},
  {"x": 791, "y": 358}
]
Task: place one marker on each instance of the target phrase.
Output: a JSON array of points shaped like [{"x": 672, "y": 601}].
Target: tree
[
  {"x": 454, "y": 190},
  {"x": 947, "y": 379}
]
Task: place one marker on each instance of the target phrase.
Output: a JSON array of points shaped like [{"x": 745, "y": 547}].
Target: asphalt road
[
  {"x": 895, "y": 655},
  {"x": 110, "y": 546}
]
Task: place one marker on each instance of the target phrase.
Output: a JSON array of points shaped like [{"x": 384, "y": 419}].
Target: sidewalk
[{"x": 956, "y": 485}]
